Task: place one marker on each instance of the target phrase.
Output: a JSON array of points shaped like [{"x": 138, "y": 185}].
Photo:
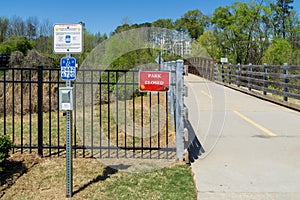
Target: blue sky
[{"x": 105, "y": 15}]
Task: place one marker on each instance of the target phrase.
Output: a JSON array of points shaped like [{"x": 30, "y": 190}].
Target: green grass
[{"x": 92, "y": 180}]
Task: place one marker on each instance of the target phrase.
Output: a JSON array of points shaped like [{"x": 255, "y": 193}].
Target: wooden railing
[
  {"x": 278, "y": 84},
  {"x": 275, "y": 83},
  {"x": 201, "y": 67}
]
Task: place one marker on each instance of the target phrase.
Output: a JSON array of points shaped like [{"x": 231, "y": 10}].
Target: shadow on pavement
[{"x": 194, "y": 147}]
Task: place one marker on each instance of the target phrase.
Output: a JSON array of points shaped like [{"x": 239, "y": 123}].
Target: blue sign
[
  {"x": 68, "y": 38},
  {"x": 68, "y": 69}
]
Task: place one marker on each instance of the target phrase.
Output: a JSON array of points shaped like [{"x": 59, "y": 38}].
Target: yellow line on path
[
  {"x": 206, "y": 94},
  {"x": 265, "y": 130}
]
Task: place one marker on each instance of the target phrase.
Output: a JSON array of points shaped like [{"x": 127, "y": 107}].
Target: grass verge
[{"x": 92, "y": 180}]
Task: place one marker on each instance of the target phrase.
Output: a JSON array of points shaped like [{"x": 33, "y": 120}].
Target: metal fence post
[
  {"x": 286, "y": 81},
  {"x": 179, "y": 111},
  {"x": 40, "y": 110}
]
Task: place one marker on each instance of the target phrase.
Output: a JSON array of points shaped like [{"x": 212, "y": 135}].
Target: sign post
[
  {"x": 67, "y": 40},
  {"x": 69, "y": 162}
]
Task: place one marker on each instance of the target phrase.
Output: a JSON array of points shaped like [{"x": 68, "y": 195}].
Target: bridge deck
[{"x": 252, "y": 147}]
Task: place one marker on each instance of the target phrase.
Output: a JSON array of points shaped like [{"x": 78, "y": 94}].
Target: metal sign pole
[
  {"x": 69, "y": 164},
  {"x": 67, "y": 39}
]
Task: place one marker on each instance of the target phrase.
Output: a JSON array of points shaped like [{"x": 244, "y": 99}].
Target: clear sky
[{"x": 105, "y": 15}]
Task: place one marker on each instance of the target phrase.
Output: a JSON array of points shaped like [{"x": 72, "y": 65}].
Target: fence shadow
[{"x": 194, "y": 147}]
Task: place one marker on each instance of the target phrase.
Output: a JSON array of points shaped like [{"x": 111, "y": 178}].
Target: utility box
[{"x": 66, "y": 98}]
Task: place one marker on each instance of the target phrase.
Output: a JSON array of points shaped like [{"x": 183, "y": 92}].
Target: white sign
[
  {"x": 68, "y": 38},
  {"x": 224, "y": 60}
]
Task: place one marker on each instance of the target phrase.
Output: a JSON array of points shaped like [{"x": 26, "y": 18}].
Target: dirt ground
[{"x": 14, "y": 167}]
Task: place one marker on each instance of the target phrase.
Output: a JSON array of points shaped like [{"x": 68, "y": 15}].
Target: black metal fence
[{"x": 111, "y": 117}]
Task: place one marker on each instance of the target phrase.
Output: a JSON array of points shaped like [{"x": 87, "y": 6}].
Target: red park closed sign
[{"x": 154, "y": 81}]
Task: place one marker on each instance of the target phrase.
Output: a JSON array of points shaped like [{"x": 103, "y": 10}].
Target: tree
[
  {"x": 17, "y": 27},
  {"x": 208, "y": 42},
  {"x": 194, "y": 21},
  {"x": 32, "y": 24},
  {"x": 241, "y": 31},
  {"x": 278, "y": 53},
  {"x": 164, "y": 23},
  {"x": 17, "y": 43},
  {"x": 4, "y": 22},
  {"x": 282, "y": 10}
]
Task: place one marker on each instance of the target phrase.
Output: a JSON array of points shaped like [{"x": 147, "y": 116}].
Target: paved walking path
[{"x": 252, "y": 147}]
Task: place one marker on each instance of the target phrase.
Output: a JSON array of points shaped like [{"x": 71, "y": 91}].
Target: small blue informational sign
[{"x": 68, "y": 68}]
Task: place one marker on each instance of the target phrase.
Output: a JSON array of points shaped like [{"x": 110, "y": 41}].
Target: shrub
[{"x": 5, "y": 146}]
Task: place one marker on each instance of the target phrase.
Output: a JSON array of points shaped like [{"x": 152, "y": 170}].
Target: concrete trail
[{"x": 252, "y": 147}]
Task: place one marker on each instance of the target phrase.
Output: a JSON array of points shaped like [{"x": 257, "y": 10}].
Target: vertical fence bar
[
  {"x": 150, "y": 127},
  {"x": 83, "y": 113},
  {"x": 286, "y": 81},
  {"x": 117, "y": 114},
  {"x": 133, "y": 114},
  {"x": 4, "y": 102},
  {"x": 13, "y": 107},
  {"x": 108, "y": 114},
  {"x": 30, "y": 112},
  {"x": 22, "y": 114},
  {"x": 75, "y": 121},
  {"x": 58, "y": 117},
  {"x": 50, "y": 113},
  {"x": 92, "y": 114},
  {"x": 100, "y": 113},
  {"x": 167, "y": 123},
  {"x": 142, "y": 124},
  {"x": 40, "y": 110},
  {"x": 125, "y": 118},
  {"x": 158, "y": 125}
]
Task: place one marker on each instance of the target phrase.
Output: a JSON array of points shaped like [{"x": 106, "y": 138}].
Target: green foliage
[
  {"x": 241, "y": 32},
  {"x": 194, "y": 21},
  {"x": 5, "y": 146},
  {"x": 205, "y": 46},
  {"x": 17, "y": 43},
  {"x": 164, "y": 23},
  {"x": 238, "y": 32},
  {"x": 295, "y": 57},
  {"x": 279, "y": 52},
  {"x": 282, "y": 10}
]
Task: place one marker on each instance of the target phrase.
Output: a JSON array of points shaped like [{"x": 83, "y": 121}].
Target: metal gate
[{"x": 112, "y": 119}]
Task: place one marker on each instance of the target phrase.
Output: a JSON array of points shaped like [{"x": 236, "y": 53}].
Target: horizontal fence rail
[
  {"x": 201, "y": 67},
  {"x": 278, "y": 84},
  {"x": 111, "y": 117},
  {"x": 277, "y": 81}
]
